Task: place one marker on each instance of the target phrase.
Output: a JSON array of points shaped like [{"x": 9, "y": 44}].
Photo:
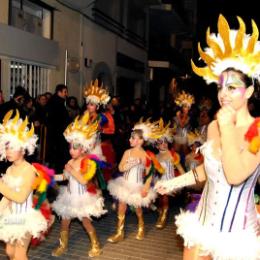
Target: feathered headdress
[
  {"x": 166, "y": 132},
  {"x": 253, "y": 136},
  {"x": 229, "y": 48},
  {"x": 184, "y": 98},
  {"x": 82, "y": 132},
  {"x": 96, "y": 95},
  {"x": 15, "y": 133},
  {"x": 194, "y": 137},
  {"x": 150, "y": 130}
]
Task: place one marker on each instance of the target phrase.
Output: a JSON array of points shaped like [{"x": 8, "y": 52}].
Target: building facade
[{"x": 44, "y": 43}]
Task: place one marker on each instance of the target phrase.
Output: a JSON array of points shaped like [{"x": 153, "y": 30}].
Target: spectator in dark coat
[{"x": 57, "y": 121}]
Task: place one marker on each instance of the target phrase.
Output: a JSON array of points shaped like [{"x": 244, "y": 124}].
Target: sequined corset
[
  {"x": 15, "y": 183},
  {"x": 168, "y": 167},
  {"x": 74, "y": 187},
  {"x": 226, "y": 207}
]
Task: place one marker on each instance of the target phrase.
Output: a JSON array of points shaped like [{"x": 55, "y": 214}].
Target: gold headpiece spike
[
  {"x": 208, "y": 59},
  {"x": 224, "y": 32},
  {"x": 69, "y": 127},
  {"x": 161, "y": 123},
  {"x": 213, "y": 45},
  {"x": 253, "y": 39},
  {"x": 148, "y": 120},
  {"x": 85, "y": 119},
  {"x": 240, "y": 35},
  {"x": 16, "y": 118},
  {"x": 7, "y": 117},
  {"x": 168, "y": 125},
  {"x": 96, "y": 83},
  {"x": 202, "y": 72},
  {"x": 23, "y": 125},
  {"x": 76, "y": 123},
  {"x": 31, "y": 132}
]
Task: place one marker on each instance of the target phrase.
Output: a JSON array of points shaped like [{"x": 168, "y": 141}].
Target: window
[
  {"x": 33, "y": 78},
  {"x": 32, "y": 16}
]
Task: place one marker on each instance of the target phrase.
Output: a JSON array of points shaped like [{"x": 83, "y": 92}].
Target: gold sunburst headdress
[
  {"x": 82, "y": 132},
  {"x": 96, "y": 95},
  {"x": 15, "y": 133},
  {"x": 165, "y": 131},
  {"x": 229, "y": 49},
  {"x": 150, "y": 130},
  {"x": 193, "y": 137},
  {"x": 184, "y": 98}
]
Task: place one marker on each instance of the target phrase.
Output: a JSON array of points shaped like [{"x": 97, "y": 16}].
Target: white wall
[
  {"x": 23, "y": 45},
  {"x": 66, "y": 31},
  {"x": 98, "y": 44}
]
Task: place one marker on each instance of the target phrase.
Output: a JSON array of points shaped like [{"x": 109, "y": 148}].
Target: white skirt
[
  {"x": 16, "y": 227},
  {"x": 240, "y": 245},
  {"x": 130, "y": 192},
  {"x": 70, "y": 206}
]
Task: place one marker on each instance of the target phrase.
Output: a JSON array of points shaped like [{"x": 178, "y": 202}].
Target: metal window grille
[{"x": 33, "y": 78}]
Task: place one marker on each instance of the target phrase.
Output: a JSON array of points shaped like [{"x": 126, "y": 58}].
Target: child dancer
[
  {"x": 132, "y": 188},
  {"x": 170, "y": 161},
  {"x": 79, "y": 199},
  {"x": 97, "y": 99},
  {"x": 19, "y": 221},
  {"x": 182, "y": 119},
  {"x": 194, "y": 158}
]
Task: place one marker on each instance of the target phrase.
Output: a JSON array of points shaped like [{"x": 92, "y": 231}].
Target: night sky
[{"x": 209, "y": 10}]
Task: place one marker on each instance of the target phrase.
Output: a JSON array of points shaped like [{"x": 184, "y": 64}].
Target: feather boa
[
  {"x": 91, "y": 165},
  {"x": 44, "y": 179},
  {"x": 253, "y": 136},
  {"x": 175, "y": 157},
  {"x": 154, "y": 164}
]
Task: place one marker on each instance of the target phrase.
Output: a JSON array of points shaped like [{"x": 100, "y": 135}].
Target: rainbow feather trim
[
  {"x": 153, "y": 160},
  {"x": 92, "y": 165},
  {"x": 253, "y": 137},
  {"x": 175, "y": 157},
  {"x": 154, "y": 165},
  {"x": 44, "y": 179}
]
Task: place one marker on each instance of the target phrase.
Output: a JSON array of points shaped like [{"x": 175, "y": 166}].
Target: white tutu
[
  {"x": 130, "y": 192},
  {"x": 15, "y": 227},
  {"x": 69, "y": 205},
  {"x": 240, "y": 245}
]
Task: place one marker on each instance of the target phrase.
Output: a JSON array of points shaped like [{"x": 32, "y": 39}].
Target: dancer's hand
[
  {"x": 226, "y": 116},
  {"x": 69, "y": 168},
  {"x": 131, "y": 162},
  {"x": 162, "y": 188}
]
